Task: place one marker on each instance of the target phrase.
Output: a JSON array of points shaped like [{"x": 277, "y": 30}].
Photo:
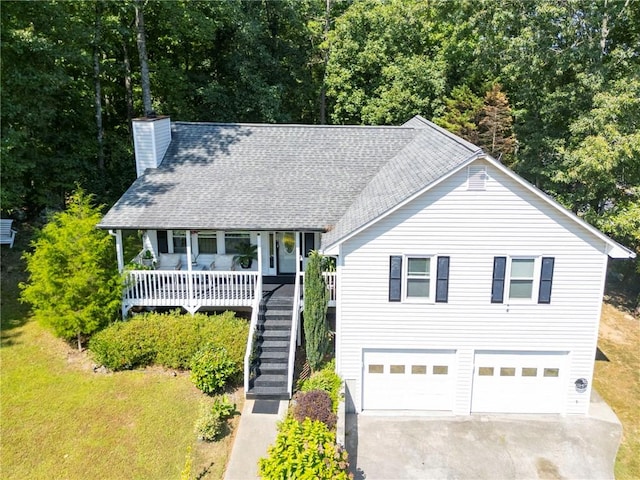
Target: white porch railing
[
  {"x": 252, "y": 330},
  {"x": 191, "y": 290},
  {"x": 295, "y": 320},
  {"x": 331, "y": 280}
]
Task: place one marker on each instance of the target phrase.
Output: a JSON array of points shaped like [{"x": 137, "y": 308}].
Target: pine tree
[
  {"x": 461, "y": 113},
  {"x": 74, "y": 287},
  {"x": 495, "y": 133},
  {"x": 316, "y": 302}
]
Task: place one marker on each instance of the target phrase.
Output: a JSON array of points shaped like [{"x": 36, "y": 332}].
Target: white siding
[
  {"x": 151, "y": 138},
  {"x": 472, "y": 227}
]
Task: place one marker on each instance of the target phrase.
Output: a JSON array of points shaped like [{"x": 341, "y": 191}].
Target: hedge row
[{"x": 170, "y": 340}]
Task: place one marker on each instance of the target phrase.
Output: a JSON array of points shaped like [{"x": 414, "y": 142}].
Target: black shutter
[
  {"x": 546, "y": 279},
  {"x": 309, "y": 243},
  {"x": 395, "y": 278},
  {"x": 442, "y": 280},
  {"x": 497, "y": 287},
  {"x": 163, "y": 244}
]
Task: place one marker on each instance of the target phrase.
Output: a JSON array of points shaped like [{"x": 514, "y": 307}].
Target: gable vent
[{"x": 477, "y": 178}]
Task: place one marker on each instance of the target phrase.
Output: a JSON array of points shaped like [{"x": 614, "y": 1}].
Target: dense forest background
[{"x": 550, "y": 87}]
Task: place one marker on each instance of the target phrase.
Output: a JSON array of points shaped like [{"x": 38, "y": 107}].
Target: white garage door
[
  {"x": 519, "y": 382},
  {"x": 408, "y": 379}
]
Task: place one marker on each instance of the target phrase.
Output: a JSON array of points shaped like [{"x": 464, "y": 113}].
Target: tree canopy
[{"x": 549, "y": 87}]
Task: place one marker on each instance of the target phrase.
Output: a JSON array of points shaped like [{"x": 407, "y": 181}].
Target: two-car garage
[{"x": 501, "y": 381}]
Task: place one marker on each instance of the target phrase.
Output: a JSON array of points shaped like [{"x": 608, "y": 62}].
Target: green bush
[
  {"x": 211, "y": 368},
  {"x": 213, "y": 420},
  {"x": 305, "y": 450},
  {"x": 170, "y": 340},
  {"x": 326, "y": 379}
]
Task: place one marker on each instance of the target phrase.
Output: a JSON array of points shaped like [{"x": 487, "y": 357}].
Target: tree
[
  {"x": 461, "y": 113},
  {"x": 144, "y": 62},
  {"x": 74, "y": 287},
  {"x": 495, "y": 132},
  {"x": 316, "y": 302},
  {"x": 601, "y": 168},
  {"x": 385, "y": 63}
]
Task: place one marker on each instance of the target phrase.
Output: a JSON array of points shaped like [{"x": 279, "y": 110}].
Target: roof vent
[{"x": 477, "y": 178}]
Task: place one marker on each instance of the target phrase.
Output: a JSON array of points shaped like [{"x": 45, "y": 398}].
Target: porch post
[
  {"x": 259, "y": 240},
  {"x": 188, "y": 238},
  {"x": 119, "y": 249}
]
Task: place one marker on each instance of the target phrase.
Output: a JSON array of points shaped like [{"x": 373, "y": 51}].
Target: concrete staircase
[{"x": 273, "y": 338}]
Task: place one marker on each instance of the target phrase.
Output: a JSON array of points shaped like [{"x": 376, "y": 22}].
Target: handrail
[
  {"x": 294, "y": 334},
  {"x": 252, "y": 330}
]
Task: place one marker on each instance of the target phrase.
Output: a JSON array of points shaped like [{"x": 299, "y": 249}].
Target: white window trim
[
  {"x": 405, "y": 277},
  {"x": 537, "y": 266}
]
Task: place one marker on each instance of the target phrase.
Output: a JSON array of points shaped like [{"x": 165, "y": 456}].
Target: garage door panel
[
  {"x": 519, "y": 382},
  {"x": 408, "y": 380}
]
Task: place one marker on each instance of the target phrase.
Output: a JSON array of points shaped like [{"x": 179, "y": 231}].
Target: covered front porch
[{"x": 197, "y": 270}]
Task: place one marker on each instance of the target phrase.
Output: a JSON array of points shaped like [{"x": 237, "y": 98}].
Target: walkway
[{"x": 256, "y": 432}]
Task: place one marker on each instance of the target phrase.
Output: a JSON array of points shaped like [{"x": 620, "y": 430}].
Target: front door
[{"x": 286, "y": 248}]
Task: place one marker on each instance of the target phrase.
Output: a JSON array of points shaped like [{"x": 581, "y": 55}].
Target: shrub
[
  {"x": 326, "y": 379},
  {"x": 211, "y": 367},
  {"x": 170, "y": 340},
  {"x": 212, "y": 422},
  {"x": 122, "y": 346},
  {"x": 305, "y": 450},
  {"x": 315, "y": 405}
]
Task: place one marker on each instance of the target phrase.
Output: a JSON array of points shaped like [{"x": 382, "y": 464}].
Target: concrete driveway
[{"x": 484, "y": 446}]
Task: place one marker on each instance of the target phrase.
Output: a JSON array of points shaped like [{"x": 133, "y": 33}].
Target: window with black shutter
[
  {"x": 395, "y": 278},
  {"x": 546, "y": 280},
  {"x": 497, "y": 287},
  {"x": 442, "y": 280}
]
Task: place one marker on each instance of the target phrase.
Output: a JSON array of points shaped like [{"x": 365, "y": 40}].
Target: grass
[
  {"x": 618, "y": 382},
  {"x": 59, "y": 419}
]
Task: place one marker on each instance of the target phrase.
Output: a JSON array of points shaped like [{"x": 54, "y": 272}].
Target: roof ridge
[
  {"x": 456, "y": 138},
  {"x": 293, "y": 125}
]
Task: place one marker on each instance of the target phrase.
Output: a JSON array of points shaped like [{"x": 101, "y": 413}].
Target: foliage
[
  {"x": 213, "y": 419},
  {"x": 461, "y": 112},
  {"x": 315, "y": 405},
  {"x": 316, "y": 302},
  {"x": 185, "y": 474},
  {"x": 495, "y": 133},
  {"x": 74, "y": 287},
  {"x": 211, "y": 369},
  {"x": 247, "y": 252},
  {"x": 325, "y": 379},
  {"x": 305, "y": 449},
  {"x": 170, "y": 340},
  {"x": 385, "y": 65}
]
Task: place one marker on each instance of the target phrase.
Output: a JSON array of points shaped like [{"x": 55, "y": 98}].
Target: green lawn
[
  {"x": 59, "y": 419},
  {"x": 618, "y": 381}
]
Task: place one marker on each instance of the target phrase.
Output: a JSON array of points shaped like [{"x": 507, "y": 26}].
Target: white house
[{"x": 459, "y": 287}]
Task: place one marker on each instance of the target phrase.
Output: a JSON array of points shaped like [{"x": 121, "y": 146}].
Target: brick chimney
[{"x": 151, "y": 138}]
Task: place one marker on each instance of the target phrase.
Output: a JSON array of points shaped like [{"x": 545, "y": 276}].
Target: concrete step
[
  {"x": 274, "y": 355},
  {"x": 275, "y": 324},
  {"x": 270, "y": 380},
  {"x": 268, "y": 393},
  {"x": 268, "y": 344},
  {"x": 274, "y": 334},
  {"x": 279, "y": 313},
  {"x": 272, "y": 367}
]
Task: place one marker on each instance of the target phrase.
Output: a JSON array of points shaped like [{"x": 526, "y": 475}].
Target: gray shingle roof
[{"x": 286, "y": 177}]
